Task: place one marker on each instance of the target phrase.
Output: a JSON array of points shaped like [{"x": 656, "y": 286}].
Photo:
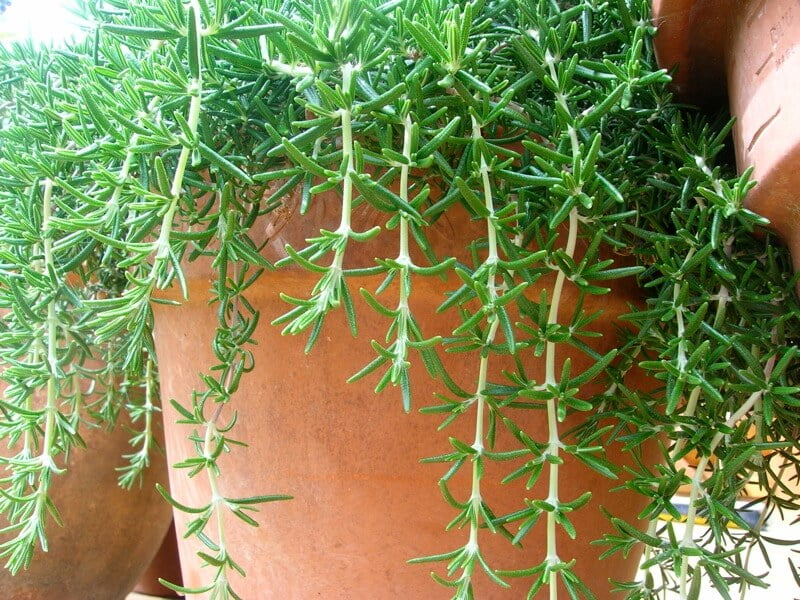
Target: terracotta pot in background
[
  {"x": 780, "y": 468},
  {"x": 110, "y": 535},
  {"x": 752, "y": 48},
  {"x": 363, "y": 504},
  {"x": 165, "y": 565}
]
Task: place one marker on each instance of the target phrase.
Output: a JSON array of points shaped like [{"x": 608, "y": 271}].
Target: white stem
[
  {"x": 51, "y": 406},
  {"x": 209, "y": 442},
  {"x": 691, "y": 408},
  {"x": 149, "y": 408},
  {"x": 554, "y": 441},
  {"x": 562, "y": 100},
  {"x": 480, "y": 396},
  {"x": 697, "y": 480},
  {"x": 346, "y": 115},
  {"x": 676, "y": 289},
  {"x": 162, "y": 244},
  {"x": 193, "y": 120},
  {"x": 404, "y": 257},
  {"x": 550, "y": 353},
  {"x": 694, "y": 396},
  {"x": 113, "y": 203},
  {"x": 211, "y": 432}
]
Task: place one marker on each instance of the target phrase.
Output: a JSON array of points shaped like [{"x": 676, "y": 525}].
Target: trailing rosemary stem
[
  {"x": 51, "y": 406},
  {"x": 480, "y": 407},
  {"x": 694, "y": 396},
  {"x": 554, "y": 442},
  {"x": 676, "y": 292},
  {"x": 404, "y": 257},
  {"x": 476, "y": 497},
  {"x": 551, "y": 62},
  {"x": 697, "y": 481},
  {"x": 346, "y": 116},
  {"x": 210, "y": 440},
  {"x": 195, "y": 91},
  {"x": 697, "y": 485},
  {"x": 162, "y": 245},
  {"x": 52, "y": 332},
  {"x": 29, "y": 438},
  {"x": 113, "y": 203},
  {"x": 211, "y": 432},
  {"x": 149, "y": 408},
  {"x": 217, "y": 499},
  {"x": 691, "y": 406}
]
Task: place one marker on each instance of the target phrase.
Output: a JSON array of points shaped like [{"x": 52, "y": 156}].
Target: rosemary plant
[{"x": 178, "y": 124}]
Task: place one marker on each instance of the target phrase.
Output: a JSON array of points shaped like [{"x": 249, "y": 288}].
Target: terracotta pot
[
  {"x": 363, "y": 504},
  {"x": 752, "y": 47},
  {"x": 780, "y": 466},
  {"x": 165, "y": 565},
  {"x": 110, "y": 534}
]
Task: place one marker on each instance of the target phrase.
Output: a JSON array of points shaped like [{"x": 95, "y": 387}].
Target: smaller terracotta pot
[
  {"x": 752, "y": 47},
  {"x": 166, "y": 565},
  {"x": 109, "y": 535}
]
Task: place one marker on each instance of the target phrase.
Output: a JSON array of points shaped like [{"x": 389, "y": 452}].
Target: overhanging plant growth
[{"x": 177, "y": 127}]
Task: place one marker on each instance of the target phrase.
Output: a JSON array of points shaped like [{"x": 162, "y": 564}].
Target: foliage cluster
[{"x": 154, "y": 142}]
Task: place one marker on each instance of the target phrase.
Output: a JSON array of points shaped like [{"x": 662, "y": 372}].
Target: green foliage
[{"x": 168, "y": 133}]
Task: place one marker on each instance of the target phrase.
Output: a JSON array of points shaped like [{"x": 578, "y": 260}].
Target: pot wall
[
  {"x": 697, "y": 60},
  {"x": 751, "y": 48},
  {"x": 763, "y": 70},
  {"x": 165, "y": 565},
  {"x": 363, "y": 504},
  {"x": 110, "y": 535}
]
